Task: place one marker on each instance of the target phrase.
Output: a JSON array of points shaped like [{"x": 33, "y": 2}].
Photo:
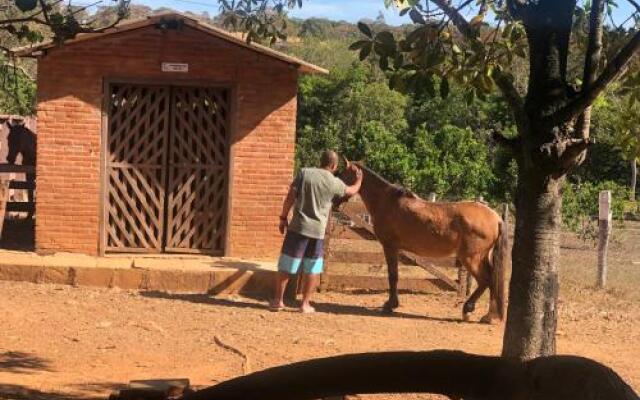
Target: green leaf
[
  {"x": 365, "y": 51},
  {"x": 388, "y": 42},
  {"x": 469, "y": 96},
  {"x": 417, "y": 17},
  {"x": 26, "y": 5},
  {"x": 477, "y": 21},
  {"x": 430, "y": 86},
  {"x": 506, "y": 32},
  {"x": 359, "y": 44},
  {"x": 364, "y": 28}
]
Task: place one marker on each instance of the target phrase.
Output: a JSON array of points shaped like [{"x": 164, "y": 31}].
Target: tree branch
[
  {"x": 23, "y": 20},
  {"x": 592, "y": 60},
  {"x": 573, "y": 154},
  {"x": 504, "y": 83},
  {"x": 513, "y": 98},
  {"x": 616, "y": 67},
  {"x": 456, "y": 18},
  {"x": 19, "y": 68},
  {"x": 477, "y": 377},
  {"x": 635, "y": 4}
]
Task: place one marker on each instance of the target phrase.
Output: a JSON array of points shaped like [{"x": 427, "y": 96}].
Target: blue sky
[{"x": 349, "y": 10}]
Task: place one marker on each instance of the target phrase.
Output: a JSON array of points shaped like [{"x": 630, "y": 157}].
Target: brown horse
[{"x": 470, "y": 231}]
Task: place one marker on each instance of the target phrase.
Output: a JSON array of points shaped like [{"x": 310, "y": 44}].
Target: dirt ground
[{"x": 62, "y": 341}]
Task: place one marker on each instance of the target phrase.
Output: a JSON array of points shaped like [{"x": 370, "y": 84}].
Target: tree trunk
[
  {"x": 533, "y": 292},
  {"x": 542, "y": 166},
  {"x": 634, "y": 179}
]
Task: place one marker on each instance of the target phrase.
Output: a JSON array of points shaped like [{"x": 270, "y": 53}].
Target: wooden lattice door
[
  {"x": 136, "y": 173},
  {"x": 166, "y": 177},
  {"x": 197, "y": 189}
]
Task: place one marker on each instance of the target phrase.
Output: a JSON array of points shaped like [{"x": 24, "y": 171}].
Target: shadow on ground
[
  {"x": 22, "y": 363},
  {"x": 329, "y": 308},
  {"x": 87, "y": 391},
  {"x": 17, "y": 392}
]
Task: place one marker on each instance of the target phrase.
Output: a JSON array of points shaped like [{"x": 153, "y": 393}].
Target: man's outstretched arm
[
  {"x": 288, "y": 203},
  {"x": 352, "y": 190}
]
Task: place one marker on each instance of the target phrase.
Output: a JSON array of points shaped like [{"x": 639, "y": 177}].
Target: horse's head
[
  {"x": 348, "y": 173},
  {"x": 20, "y": 141},
  {"x": 348, "y": 176}
]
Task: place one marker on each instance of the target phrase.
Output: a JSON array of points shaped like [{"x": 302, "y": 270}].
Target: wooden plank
[
  {"x": 377, "y": 257},
  {"x": 374, "y": 283},
  {"x": 114, "y": 249},
  {"x": 4, "y": 198},
  {"x": 17, "y": 169},
  {"x": 20, "y": 206},
  {"x": 196, "y": 208},
  {"x": 22, "y": 185},
  {"x": 328, "y": 256},
  {"x": 137, "y": 144},
  {"x": 127, "y": 207},
  {"x": 419, "y": 261}
]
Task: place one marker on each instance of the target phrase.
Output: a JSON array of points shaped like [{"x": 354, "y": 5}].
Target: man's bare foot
[
  {"x": 275, "y": 305},
  {"x": 307, "y": 309}
]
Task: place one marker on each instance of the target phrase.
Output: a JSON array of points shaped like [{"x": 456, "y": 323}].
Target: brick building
[{"x": 164, "y": 135}]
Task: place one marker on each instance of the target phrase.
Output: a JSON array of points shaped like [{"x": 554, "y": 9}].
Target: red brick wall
[{"x": 70, "y": 95}]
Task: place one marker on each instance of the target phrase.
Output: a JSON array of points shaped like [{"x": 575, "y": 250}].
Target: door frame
[{"x": 104, "y": 135}]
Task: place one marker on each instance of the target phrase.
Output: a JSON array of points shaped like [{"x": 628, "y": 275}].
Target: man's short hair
[{"x": 328, "y": 159}]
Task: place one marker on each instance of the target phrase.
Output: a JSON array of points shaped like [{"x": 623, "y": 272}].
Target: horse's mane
[{"x": 399, "y": 190}]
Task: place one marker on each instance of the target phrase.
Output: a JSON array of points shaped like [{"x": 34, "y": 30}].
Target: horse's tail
[{"x": 499, "y": 263}]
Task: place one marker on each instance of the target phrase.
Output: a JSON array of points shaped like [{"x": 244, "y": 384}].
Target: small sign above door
[{"x": 175, "y": 67}]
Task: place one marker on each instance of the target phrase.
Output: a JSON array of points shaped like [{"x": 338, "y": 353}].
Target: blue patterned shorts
[{"x": 301, "y": 250}]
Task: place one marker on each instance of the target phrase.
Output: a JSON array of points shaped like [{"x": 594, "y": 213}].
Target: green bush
[{"x": 580, "y": 205}]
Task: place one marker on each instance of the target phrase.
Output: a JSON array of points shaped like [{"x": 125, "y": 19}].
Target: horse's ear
[{"x": 347, "y": 164}]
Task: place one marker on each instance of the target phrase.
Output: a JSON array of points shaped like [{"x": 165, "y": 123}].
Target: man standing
[{"x": 312, "y": 192}]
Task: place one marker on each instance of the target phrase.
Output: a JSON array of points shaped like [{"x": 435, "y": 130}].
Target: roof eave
[{"x": 301, "y": 65}]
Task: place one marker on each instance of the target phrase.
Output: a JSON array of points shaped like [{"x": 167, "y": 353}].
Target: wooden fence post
[
  {"x": 432, "y": 197},
  {"x": 324, "y": 278},
  {"x": 604, "y": 224},
  {"x": 463, "y": 280},
  {"x": 4, "y": 199}
]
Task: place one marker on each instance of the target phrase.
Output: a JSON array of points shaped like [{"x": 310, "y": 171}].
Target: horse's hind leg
[
  {"x": 474, "y": 267},
  {"x": 470, "y": 305},
  {"x": 391, "y": 255}
]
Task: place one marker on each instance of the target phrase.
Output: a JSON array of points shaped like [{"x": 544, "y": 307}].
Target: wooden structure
[
  {"x": 164, "y": 135},
  {"x": 167, "y": 180},
  {"x": 6, "y": 173}
]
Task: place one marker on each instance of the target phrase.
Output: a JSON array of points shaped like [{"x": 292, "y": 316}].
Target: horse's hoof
[
  {"x": 489, "y": 319},
  {"x": 468, "y": 308},
  {"x": 466, "y": 317},
  {"x": 387, "y": 311},
  {"x": 389, "y": 306}
]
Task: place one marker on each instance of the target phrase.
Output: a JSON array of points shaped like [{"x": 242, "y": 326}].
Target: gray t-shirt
[{"x": 316, "y": 188}]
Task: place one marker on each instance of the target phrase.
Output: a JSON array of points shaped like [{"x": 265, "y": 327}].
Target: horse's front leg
[{"x": 391, "y": 254}]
